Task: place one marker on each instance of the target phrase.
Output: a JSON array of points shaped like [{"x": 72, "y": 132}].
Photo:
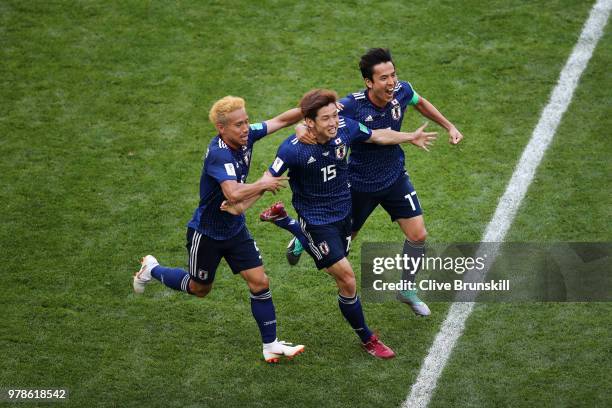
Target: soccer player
[
  {"x": 213, "y": 234},
  {"x": 319, "y": 177},
  {"x": 377, "y": 173}
]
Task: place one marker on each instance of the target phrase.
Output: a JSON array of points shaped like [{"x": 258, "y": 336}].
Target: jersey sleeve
[
  {"x": 257, "y": 131},
  {"x": 409, "y": 94},
  {"x": 357, "y": 132},
  {"x": 284, "y": 158},
  {"x": 220, "y": 165},
  {"x": 349, "y": 106}
]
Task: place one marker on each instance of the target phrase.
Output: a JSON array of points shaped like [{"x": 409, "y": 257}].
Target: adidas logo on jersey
[
  {"x": 369, "y": 118},
  {"x": 325, "y": 154},
  {"x": 311, "y": 160}
]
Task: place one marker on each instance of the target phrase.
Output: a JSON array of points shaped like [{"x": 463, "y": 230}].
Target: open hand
[
  {"x": 423, "y": 139},
  {"x": 304, "y": 135},
  {"x": 273, "y": 184}
]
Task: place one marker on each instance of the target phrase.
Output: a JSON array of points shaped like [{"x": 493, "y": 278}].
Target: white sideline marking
[{"x": 452, "y": 327}]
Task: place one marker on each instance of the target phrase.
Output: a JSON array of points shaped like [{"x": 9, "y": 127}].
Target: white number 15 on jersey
[{"x": 329, "y": 172}]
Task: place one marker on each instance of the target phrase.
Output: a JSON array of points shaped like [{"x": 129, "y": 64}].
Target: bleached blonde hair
[{"x": 227, "y": 104}]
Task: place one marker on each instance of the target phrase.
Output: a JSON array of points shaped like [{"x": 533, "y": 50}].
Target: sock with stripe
[
  {"x": 353, "y": 313},
  {"x": 293, "y": 227},
  {"x": 175, "y": 278},
  {"x": 264, "y": 314}
]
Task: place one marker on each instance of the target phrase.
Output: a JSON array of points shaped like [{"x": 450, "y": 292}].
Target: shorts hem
[
  {"x": 327, "y": 264},
  {"x": 395, "y": 218},
  {"x": 257, "y": 265}
]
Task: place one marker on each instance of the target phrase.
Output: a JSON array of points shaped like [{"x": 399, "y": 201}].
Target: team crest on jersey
[
  {"x": 396, "y": 111},
  {"x": 340, "y": 152},
  {"x": 202, "y": 274},
  {"x": 247, "y": 157},
  {"x": 324, "y": 248}
]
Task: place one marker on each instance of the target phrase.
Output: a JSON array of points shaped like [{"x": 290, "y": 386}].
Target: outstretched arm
[
  {"x": 427, "y": 109},
  {"x": 283, "y": 120},
  {"x": 418, "y": 138}
]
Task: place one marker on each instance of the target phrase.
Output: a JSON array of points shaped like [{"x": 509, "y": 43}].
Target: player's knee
[
  {"x": 347, "y": 284},
  {"x": 199, "y": 289},
  {"x": 419, "y": 235},
  {"x": 259, "y": 283}
]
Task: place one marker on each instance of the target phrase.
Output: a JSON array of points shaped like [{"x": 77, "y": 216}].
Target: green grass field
[{"x": 103, "y": 125}]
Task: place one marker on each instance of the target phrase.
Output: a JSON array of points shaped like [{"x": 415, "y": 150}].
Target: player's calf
[
  {"x": 414, "y": 250},
  {"x": 174, "y": 278}
]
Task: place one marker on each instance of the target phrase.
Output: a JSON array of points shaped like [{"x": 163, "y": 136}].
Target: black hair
[{"x": 374, "y": 56}]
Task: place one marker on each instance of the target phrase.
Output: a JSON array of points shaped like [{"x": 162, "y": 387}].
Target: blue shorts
[
  {"x": 240, "y": 253},
  {"x": 327, "y": 243},
  {"x": 399, "y": 200}
]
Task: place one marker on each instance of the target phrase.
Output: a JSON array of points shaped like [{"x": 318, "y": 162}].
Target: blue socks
[
  {"x": 264, "y": 314},
  {"x": 353, "y": 313},
  {"x": 293, "y": 227},
  {"x": 416, "y": 251},
  {"x": 261, "y": 302},
  {"x": 175, "y": 278}
]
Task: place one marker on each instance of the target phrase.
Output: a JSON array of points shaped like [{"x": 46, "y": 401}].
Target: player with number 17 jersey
[{"x": 375, "y": 167}]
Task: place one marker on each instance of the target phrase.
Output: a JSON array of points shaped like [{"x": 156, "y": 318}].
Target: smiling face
[
  {"x": 325, "y": 124},
  {"x": 234, "y": 130},
  {"x": 320, "y": 113},
  {"x": 382, "y": 85}
]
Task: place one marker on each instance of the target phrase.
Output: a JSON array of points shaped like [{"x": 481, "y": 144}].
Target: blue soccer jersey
[
  {"x": 318, "y": 174},
  {"x": 374, "y": 167},
  {"x": 220, "y": 164}
]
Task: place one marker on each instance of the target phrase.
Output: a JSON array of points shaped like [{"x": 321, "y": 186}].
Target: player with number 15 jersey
[{"x": 321, "y": 196}]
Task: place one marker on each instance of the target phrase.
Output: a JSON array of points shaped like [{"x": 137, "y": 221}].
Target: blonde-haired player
[{"x": 213, "y": 234}]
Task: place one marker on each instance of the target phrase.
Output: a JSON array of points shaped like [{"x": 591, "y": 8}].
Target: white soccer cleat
[
  {"x": 272, "y": 352},
  {"x": 410, "y": 298},
  {"x": 143, "y": 276},
  {"x": 420, "y": 309}
]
